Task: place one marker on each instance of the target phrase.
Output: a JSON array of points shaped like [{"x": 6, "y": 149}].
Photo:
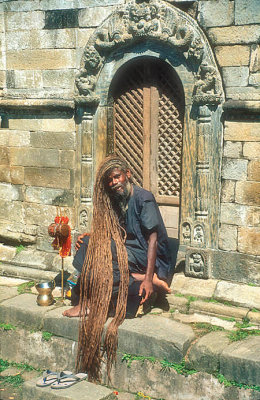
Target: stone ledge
[
  {"x": 240, "y": 361},
  {"x": 242, "y": 105},
  {"x": 149, "y": 336},
  {"x": 13, "y": 270},
  {"x": 22, "y": 104},
  {"x": 155, "y": 336},
  {"x": 83, "y": 391}
]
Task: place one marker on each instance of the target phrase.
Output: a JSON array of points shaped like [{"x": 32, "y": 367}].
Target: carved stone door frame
[{"x": 169, "y": 34}]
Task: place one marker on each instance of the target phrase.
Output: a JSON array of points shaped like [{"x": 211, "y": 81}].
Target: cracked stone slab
[
  {"x": 23, "y": 310},
  {"x": 155, "y": 336},
  {"x": 189, "y": 286},
  {"x": 243, "y": 295},
  {"x": 82, "y": 390},
  {"x": 240, "y": 361},
  {"x": 7, "y": 293},
  {"x": 204, "y": 355}
]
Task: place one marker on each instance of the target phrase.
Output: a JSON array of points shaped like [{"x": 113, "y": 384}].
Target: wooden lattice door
[{"x": 147, "y": 131}]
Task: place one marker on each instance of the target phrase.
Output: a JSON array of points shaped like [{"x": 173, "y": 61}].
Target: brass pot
[
  {"x": 45, "y": 297},
  {"x": 45, "y": 300}
]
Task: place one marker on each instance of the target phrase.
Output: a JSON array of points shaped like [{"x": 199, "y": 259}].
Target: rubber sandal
[
  {"x": 67, "y": 380},
  {"x": 49, "y": 377}
]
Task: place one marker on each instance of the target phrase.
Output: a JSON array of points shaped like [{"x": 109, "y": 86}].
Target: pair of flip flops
[{"x": 60, "y": 380}]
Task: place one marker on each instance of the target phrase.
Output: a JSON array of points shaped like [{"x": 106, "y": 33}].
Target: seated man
[{"x": 125, "y": 256}]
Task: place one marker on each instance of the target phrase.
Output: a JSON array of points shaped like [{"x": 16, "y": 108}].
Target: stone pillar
[
  {"x": 86, "y": 157},
  {"x": 86, "y": 169},
  {"x": 202, "y": 164}
]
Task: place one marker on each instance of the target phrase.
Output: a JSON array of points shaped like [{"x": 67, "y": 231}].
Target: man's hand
[
  {"x": 80, "y": 241},
  {"x": 146, "y": 287}
]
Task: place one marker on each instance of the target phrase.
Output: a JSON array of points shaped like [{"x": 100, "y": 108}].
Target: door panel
[{"x": 148, "y": 121}]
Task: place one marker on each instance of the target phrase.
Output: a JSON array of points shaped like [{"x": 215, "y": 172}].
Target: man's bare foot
[
  {"x": 72, "y": 312},
  {"x": 161, "y": 284},
  {"x": 156, "y": 281}
]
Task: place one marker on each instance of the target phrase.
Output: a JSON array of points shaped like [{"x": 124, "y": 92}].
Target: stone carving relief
[
  {"x": 196, "y": 50},
  {"x": 207, "y": 88},
  {"x": 197, "y": 264},
  {"x": 142, "y": 19},
  {"x": 186, "y": 232},
  {"x": 83, "y": 218},
  {"x": 87, "y": 76},
  {"x": 198, "y": 234}
]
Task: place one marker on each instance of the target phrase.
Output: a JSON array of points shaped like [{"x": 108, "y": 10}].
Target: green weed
[
  {"x": 230, "y": 319},
  {"x": 254, "y": 310},
  {"x": 240, "y": 334},
  {"x": 3, "y": 365},
  {"x": 19, "y": 248},
  {"x": 129, "y": 358},
  {"x": 25, "y": 287},
  {"x": 211, "y": 300},
  {"x": 7, "y": 327},
  {"x": 221, "y": 378},
  {"x": 206, "y": 327},
  {"x": 180, "y": 368},
  {"x": 13, "y": 380},
  {"x": 46, "y": 336}
]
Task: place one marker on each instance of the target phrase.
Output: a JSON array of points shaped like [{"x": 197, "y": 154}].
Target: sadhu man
[{"x": 125, "y": 257}]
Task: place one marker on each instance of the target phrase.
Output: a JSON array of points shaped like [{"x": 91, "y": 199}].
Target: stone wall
[
  {"x": 233, "y": 30},
  {"x": 42, "y": 43}
]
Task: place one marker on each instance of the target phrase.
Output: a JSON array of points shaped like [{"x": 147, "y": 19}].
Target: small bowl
[
  {"x": 45, "y": 287},
  {"x": 45, "y": 300}
]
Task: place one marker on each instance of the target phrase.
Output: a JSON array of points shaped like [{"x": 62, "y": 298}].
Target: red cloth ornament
[{"x": 61, "y": 232}]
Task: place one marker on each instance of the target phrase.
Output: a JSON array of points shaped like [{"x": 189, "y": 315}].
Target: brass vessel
[{"x": 45, "y": 297}]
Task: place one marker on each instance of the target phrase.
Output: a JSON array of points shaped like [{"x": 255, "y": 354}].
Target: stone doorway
[{"x": 146, "y": 128}]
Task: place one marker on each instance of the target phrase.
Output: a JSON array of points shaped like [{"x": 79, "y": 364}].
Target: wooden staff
[{"x": 62, "y": 278}]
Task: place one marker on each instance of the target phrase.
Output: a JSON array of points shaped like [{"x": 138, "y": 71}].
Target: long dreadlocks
[{"x": 97, "y": 278}]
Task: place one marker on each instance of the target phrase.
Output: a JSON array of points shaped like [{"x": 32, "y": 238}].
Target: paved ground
[{"x": 173, "y": 335}]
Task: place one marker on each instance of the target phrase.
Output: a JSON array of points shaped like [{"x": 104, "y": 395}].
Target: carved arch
[
  {"x": 156, "y": 29},
  {"x": 140, "y": 21}
]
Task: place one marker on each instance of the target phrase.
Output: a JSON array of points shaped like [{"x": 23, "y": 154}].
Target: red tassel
[{"x": 61, "y": 232}]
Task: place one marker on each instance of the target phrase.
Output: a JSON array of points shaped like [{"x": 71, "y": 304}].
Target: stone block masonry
[
  {"x": 240, "y": 210},
  {"x": 42, "y": 44}
]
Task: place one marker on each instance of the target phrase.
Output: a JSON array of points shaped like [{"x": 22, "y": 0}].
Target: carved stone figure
[
  {"x": 144, "y": 19},
  {"x": 175, "y": 30},
  {"x": 186, "y": 232},
  {"x": 196, "y": 262},
  {"x": 83, "y": 218},
  {"x": 86, "y": 78},
  {"x": 207, "y": 86},
  {"x": 198, "y": 235},
  {"x": 196, "y": 50},
  {"x": 113, "y": 34}
]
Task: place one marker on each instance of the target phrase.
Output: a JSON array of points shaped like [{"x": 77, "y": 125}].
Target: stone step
[
  {"x": 151, "y": 343},
  {"x": 82, "y": 390},
  {"x": 30, "y": 273}
]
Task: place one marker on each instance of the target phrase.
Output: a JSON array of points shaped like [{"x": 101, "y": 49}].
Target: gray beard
[{"x": 121, "y": 199}]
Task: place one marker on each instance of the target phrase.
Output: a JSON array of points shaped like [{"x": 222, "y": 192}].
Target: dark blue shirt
[{"x": 143, "y": 218}]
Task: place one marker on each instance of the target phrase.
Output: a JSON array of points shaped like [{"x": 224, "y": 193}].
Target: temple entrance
[{"x": 147, "y": 127}]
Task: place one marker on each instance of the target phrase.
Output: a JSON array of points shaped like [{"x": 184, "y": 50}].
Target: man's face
[{"x": 117, "y": 182}]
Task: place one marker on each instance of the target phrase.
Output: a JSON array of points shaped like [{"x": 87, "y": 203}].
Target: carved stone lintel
[
  {"x": 197, "y": 263},
  {"x": 90, "y": 100}
]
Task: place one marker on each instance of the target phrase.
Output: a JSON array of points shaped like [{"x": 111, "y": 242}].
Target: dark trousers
[{"x": 133, "y": 300}]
